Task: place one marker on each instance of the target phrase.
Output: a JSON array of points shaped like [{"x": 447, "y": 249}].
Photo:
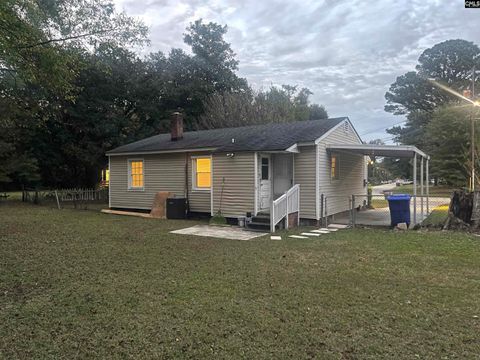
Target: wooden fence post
[{"x": 58, "y": 201}]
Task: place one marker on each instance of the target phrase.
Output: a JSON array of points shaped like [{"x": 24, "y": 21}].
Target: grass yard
[
  {"x": 379, "y": 202},
  {"x": 80, "y": 284},
  {"x": 439, "y": 190},
  {"x": 437, "y": 217}
]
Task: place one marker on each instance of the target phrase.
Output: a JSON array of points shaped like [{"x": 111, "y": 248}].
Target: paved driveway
[
  {"x": 381, "y": 216},
  {"x": 379, "y": 189}
]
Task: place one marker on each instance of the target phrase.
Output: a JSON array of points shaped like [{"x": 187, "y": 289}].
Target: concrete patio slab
[
  {"x": 337, "y": 226},
  {"x": 221, "y": 232}
]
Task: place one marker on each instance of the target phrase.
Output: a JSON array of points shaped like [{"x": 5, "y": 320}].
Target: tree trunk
[
  {"x": 460, "y": 211},
  {"x": 475, "y": 218},
  {"x": 464, "y": 211}
]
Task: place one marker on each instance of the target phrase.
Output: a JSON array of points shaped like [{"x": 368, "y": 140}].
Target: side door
[{"x": 265, "y": 182}]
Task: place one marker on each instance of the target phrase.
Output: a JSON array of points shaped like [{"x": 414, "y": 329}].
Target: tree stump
[
  {"x": 464, "y": 211},
  {"x": 475, "y": 217}
]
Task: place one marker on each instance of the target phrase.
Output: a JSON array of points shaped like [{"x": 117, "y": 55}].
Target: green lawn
[
  {"x": 80, "y": 284},
  {"x": 379, "y": 202},
  {"x": 437, "y": 217},
  {"x": 440, "y": 190}
]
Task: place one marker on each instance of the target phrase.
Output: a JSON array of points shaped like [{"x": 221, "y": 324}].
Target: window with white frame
[
  {"x": 334, "y": 167},
  {"x": 202, "y": 173},
  {"x": 135, "y": 174}
]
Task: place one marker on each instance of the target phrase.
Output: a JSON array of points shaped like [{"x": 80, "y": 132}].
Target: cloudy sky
[{"x": 347, "y": 52}]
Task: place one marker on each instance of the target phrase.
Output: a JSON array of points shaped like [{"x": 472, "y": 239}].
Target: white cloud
[{"x": 347, "y": 52}]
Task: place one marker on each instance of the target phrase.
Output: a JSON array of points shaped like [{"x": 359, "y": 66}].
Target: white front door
[{"x": 265, "y": 188}]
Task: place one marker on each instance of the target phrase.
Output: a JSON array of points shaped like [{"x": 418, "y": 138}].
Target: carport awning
[{"x": 395, "y": 151}]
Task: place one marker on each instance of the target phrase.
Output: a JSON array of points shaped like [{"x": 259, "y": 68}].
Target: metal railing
[{"x": 286, "y": 204}]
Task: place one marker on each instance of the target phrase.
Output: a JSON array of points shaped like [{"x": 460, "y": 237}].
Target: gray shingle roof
[{"x": 264, "y": 137}]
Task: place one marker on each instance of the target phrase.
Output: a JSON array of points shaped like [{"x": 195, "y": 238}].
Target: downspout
[{"x": 186, "y": 182}]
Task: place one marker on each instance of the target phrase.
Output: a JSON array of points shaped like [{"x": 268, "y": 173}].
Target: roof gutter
[
  {"x": 159, "y": 152},
  {"x": 370, "y": 149}
]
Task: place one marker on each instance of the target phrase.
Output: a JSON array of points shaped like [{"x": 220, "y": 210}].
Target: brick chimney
[{"x": 176, "y": 126}]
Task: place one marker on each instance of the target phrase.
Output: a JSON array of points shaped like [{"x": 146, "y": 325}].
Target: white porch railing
[{"x": 286, "y": 204}]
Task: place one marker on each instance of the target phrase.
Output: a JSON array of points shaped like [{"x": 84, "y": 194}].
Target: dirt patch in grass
[{"x": 82, "y": 284}]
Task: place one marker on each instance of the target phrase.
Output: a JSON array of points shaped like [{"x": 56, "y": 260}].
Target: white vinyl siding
[
  {"x": 304, "y": 171},
  {"x": 161, "y": 173},
  {"x": 351, "y": 171},
  {"x": 233, "y": 182},
  {"x": 199, "y": 199}
]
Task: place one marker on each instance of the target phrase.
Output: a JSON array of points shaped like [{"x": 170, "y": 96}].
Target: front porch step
[
  {"x": 261, "y": 218},
  {"x": 261, "y": 222},
  {"x": 260, "y": 227}
]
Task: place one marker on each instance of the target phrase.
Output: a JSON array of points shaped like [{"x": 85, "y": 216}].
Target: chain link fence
[
  {"x": 74, "y": 198},
  {"x": 373, "y": 209}
]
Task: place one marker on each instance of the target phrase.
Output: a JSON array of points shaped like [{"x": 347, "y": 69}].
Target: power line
[{"x": 383, "y": 128}]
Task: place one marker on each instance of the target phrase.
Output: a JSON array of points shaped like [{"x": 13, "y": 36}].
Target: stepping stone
[
  {"x": 298, "y": 237},
  {"x": 325, "y": 229},
  {"x": 275, "y": 238},
  {"x": 337, "y": 226},
  {"x": 332, "y": 230},
  {"x": 321, "y": 231},
  {"x": 310, "y": 234}
]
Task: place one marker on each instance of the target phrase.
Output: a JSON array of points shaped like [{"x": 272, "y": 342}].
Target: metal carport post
[
  {"x": 396, "y": 151},
  {"x": 424, "y": 177},
  {"x": 415, "y": 189},
  {"x": 428, "y": 185}
]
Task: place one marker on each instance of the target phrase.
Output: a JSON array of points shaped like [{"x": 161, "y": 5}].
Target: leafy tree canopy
[
  {"x": 34, "y": 36},
  {"x": 277, "y": 104},
  {"x": 448, "y": 140},
  {"x": 58, "y": 124},
  {"x": 449, "y": 62},
  {"x": 432, "y": 112}
]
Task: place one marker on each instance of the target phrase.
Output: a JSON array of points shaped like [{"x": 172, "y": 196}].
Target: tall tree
[
  {"x": 43, "y": 45},
  {"x": 448, "y": 141},
  {"x": 277, "y": 104},
  {"x": 34, "y": 35},
  {"x": 449, "y": 62},
  {"x": 413, "y": 95}
]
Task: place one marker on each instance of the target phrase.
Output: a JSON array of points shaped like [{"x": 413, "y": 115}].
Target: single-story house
[{"x": 242, "y": 170}]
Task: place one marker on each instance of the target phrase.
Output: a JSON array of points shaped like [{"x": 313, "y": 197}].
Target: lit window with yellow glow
[
  {"x": 334, "y": 168},
  {"x": 135, "y": 180},
  {"x": 202, "y": 173},
  {"x": 105, "y": 177}
]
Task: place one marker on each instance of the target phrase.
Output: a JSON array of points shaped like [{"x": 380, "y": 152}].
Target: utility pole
[{"x": 473, "y": 131}]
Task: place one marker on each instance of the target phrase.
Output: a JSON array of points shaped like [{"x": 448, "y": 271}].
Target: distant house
[{"x": 243, "y": 169}]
